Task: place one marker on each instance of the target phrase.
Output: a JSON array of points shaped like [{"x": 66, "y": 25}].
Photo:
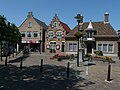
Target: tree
[{"x": 8, "y": 33}]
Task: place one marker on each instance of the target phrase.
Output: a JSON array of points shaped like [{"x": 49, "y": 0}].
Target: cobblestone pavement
[{"x": 53, "y": 78}]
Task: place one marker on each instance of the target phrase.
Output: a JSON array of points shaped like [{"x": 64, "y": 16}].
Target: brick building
[
  {"x": 33, "y": 33},
  {"x": 55, "y": 36}
]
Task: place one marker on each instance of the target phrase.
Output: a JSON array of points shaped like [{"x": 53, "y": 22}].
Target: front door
[
  {"x": 63, "y": 46},
  {"x": 52, "y": 47},
  {"x": 89, "y": 48}
]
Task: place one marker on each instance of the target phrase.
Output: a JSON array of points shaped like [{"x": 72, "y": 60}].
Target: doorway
[{"x": 89, "y": 48}]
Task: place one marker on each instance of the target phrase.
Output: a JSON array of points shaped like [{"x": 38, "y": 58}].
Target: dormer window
[
  {"x": 90, "y": 34},
  {"x": 29, "y": 24},
  {"x": 50, "y": 34},
  {"x": 59, "y": 34}
]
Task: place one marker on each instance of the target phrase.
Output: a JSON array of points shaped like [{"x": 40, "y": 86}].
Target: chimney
[
  {"x": 30, "y": 14},
  {"x": 106, "y": 17}
]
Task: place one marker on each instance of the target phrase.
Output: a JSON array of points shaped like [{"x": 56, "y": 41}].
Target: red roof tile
[
  {"x": 66, "y": 27},
  {"x": 100, "y": 27}
]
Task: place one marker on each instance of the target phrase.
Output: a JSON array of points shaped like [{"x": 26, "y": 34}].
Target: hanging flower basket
[{"x": 79, "y": 34}]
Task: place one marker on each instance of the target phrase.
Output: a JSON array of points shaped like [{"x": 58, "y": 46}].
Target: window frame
[
  {"x": 23, "y": 32},
  {"x": 107, "y": 47},
  {"x": 112, "y": 47},
  {"x": 72, "y": 47},
  {"x": 50, "y": 35},
  {"x": 55, "y": 25},
  {"x": 29, "y": 24},
  {"x": 34, "y": 34},
  {"x": 29, "y": 33},
  {"x": 59, "y": 34},
  {"x": 100, "y": 47}
]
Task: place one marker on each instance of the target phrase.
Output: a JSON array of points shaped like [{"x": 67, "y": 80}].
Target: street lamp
[{"x": 79, "y": 36}]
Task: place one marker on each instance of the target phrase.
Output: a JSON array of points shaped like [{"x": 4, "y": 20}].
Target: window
[
  {"x": 50, "y": 34},
  {"x": 72, "y": 47},
  {"x": 23, "y": 34},
  {"x": 59, "y": 34},
  {"x": 89, "y": 34},
  {"x": 29, "y": 34},
  {"x": 118, "y": 32},
  {"x": 100, "y": 47},
  {"x": 29, "y": 24},
  {"x": 55, "y": 24},
  {"x": 53, "y": 45},
  {"x": 35, "y": 34},
  {"x": 110, "y": 48},
  {"x": 105, "y": 47}
]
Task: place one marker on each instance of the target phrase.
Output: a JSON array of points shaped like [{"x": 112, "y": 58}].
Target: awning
[
  {"x": 23, "y": 41},
  {"x": 32, "y": 41}
]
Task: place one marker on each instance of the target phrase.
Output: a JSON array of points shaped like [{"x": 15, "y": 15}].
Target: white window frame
[
  {"x": 23, "y": 32},
  {"x": 105, "y": 48},
  {"x": 112, "y": 47},
  {"x": 29, "y": 24},
  {"x": 102, "y": 47},
  {"x": 89, "y": 34},
  {"x": 75, "y": 47},
  {"x": 53, "y": 45},
  {"x": 50, "y": 34},
  {"x": 59, "y": 34},
  {"x": 55, "y": 24},
  {"x": 72, "y": 46},
  {"x": 98, "y": 47},
  {"x": 29, "y": 32},
  {"x": 35, "y": 33}
]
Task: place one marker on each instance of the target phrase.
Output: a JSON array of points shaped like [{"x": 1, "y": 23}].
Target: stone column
[
  {"x": 17, "y": 47},
  {"x": 85, "y": 49},
  {"x": 93, "y": 48}
]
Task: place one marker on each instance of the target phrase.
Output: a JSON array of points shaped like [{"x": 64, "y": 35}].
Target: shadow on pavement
[
  {"x": 29, "y": 78},
  {"x": 18, "y": 59}
]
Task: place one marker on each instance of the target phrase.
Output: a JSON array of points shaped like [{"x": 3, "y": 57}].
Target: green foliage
[
  {"x": 79, "y": 34},
  {"x": 99, "y": 53},
  {"x": 87, "y": 57},
  {"x": 9, "y": 32}
]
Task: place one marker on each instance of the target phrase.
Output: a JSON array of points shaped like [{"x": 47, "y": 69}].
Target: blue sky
[{"x": 16, "y": 10}]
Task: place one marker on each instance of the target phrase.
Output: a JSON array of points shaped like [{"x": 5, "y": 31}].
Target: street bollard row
[
  {"x": 41, "y": 65},
  {"x": 68, "y": 64},
  {"x": 21, "y": 60},
  {"x": 109, "y": 72}
]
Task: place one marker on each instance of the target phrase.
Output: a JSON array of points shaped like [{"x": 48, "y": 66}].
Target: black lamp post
[{"x": 79, "y": 20}]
